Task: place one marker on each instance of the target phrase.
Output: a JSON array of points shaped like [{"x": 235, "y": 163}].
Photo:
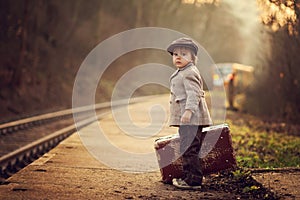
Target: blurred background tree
[
  {"x": 43, "y": 44},
  {"x": 276, "y": 92},
  {"x": 41, "y": 50}
]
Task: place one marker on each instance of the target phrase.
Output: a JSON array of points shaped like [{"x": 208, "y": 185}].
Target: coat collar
[{"x": 181, "y": 69}]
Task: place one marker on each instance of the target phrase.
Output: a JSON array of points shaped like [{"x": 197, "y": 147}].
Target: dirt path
[{"x": 284, "y": 182}]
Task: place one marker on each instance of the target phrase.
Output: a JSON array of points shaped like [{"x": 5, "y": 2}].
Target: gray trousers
[{"x": 190, "y": 145}]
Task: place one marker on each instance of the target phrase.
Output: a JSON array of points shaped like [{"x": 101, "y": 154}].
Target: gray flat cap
[{"x": 183, "y": 42}]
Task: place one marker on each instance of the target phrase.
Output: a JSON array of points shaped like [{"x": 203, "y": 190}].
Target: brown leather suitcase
[{"x": 216, "y": 153}]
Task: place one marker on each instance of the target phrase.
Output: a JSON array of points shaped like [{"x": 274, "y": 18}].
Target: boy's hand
[{"x": 186, "y": 117}]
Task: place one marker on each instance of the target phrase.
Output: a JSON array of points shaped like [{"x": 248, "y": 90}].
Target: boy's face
[{"x": 181, "y": 57}]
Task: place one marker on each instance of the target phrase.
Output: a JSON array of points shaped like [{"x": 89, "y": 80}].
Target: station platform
[{"x": 72, "y": 171}]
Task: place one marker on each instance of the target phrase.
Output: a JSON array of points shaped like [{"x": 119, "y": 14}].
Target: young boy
[{"x": 188, "y": 110}]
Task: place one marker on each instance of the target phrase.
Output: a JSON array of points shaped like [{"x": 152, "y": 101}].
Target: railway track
[{"x": 25, "y": 140}]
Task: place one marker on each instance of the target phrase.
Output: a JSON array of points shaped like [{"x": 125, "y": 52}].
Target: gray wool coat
[{"x": 187, "y": 93}]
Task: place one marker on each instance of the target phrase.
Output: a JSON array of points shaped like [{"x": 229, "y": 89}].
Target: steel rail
[
  {"x": 13, "y": 126},
  {"x": 14, "y": 161}
]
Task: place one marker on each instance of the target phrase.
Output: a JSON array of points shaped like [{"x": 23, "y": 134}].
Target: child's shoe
[{"x": 179, "y": 183}]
